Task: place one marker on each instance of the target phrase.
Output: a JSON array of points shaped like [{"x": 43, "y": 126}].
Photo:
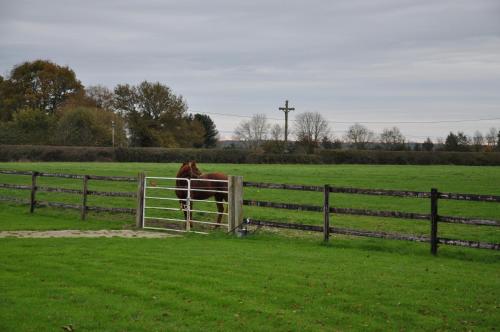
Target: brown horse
[{"x": 189, "y": 170}]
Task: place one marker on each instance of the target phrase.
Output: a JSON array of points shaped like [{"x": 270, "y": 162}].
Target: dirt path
[{"x": 79, "y": 233}]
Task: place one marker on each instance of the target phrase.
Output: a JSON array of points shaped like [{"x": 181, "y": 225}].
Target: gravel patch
[{"x": 79, "y": 233}]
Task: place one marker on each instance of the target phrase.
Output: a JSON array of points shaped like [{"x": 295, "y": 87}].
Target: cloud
[{"x": 350, "y": 60}]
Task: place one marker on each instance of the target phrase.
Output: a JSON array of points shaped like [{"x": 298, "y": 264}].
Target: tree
[
  {"x": 101, "y": 96},
  {"x": 28, "y": 126},
  {"x": 188, "y": 132},
  {"x": 310, "y": 128},
  {"x": 89, "y": 126},
  {"x": 79, "y": 126},
  {"x": 125, "y": 99},
  {"x": 5, "y": 112},
  {"x": 463, "y": 141},
  {"x": 359, "y": 135},
  {"x": 41, "y": 85},
  {"x": 458, "y": 142},
  {"x": 156, "y": 100},
  {"x": 451, "y": 143},
  {"x": 211, "y": 134},
  {"x": 277, "y": 133},
  {"x": 156, "y": 116},
  {"x": 478, "y": 140},
  {"x": 253, "y": 132},
  {"x": 329, "y": 144},
  {"x": 392, "y": 138},
  {"x": 498, "y": 140},
  {"x": 428, "y": 145},
  {"x": 491, "y": 137},
  {"x": 276, "y": 143}
]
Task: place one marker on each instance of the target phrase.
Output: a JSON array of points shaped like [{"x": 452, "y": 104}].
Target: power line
[
  {"x": 423, "y": 122},
  {"x": 363, "y": 122}
]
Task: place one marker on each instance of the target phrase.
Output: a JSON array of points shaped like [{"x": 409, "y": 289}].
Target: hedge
[{"x": 71, "y": 153}]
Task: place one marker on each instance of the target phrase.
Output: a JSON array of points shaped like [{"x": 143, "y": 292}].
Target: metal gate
[{"x": 154, "y": 203}]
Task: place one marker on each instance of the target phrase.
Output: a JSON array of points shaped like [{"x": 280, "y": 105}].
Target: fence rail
[
  {"x": 375, "y": 192},
  {"x": 365, "y": 233},
  {"x": 433, "y": 217},
  {"x": 70, "y": 176},
  {"x": 84, "y": 192},
  {"x": 373, "y": 213},
  {"x": 70, "y": 191}
]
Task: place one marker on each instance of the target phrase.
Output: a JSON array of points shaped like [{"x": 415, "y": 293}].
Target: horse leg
[
  {"x": 190, "y": 214},
  {"x": 183, "y": 209},
  {"x": 220, "y": 210},
  {"x": 220, "y": 207},
  {"x": 187, "y": 213}
]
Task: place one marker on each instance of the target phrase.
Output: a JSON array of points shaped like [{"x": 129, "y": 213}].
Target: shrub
[{"x": 157, "y": 155}]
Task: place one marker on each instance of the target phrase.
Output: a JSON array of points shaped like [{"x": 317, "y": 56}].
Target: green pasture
[
  {"x": 461, "y": 179},
  {"x": 267, "y": 281},
  {"x": 260, "y": 283}
]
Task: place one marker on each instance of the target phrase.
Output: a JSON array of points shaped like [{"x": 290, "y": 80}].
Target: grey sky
[{"x": 375, "y": 61}]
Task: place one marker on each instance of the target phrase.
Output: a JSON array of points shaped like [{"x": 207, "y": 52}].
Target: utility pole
[
  {"x": 113, "y": 132},
  {"x": 286, "y": 109}
]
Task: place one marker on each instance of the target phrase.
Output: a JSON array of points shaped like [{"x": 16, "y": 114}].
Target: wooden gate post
[
  {"x": 139, "y": 214},
  {"x": 34, "y": 174},
  {"x": 235, "y": 203},
  {"x": 434, "y": 220},
  {"x": 84, "y": 197},
  {"x": 326, "y": 213}
]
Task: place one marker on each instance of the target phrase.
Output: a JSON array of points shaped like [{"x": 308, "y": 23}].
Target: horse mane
[{"x": 184, "y": 170}]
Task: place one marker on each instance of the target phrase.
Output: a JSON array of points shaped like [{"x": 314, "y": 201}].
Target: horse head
[{"x": 189, "y": 170}]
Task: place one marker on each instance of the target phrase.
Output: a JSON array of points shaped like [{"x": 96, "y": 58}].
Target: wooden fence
[
  {"x": 84, "y": 192},
  {"x": 434, "y": 195},
  {"x": 434, "y": 218}
]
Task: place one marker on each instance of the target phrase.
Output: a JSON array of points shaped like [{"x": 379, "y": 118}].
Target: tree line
[
  {"x": 44, "y": 103},
  {"x": 312, "y": 132}
]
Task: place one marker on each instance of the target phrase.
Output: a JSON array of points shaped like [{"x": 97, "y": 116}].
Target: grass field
[
  {"x": 263, "y": 282},
  {"x": 260, "y": 283},
  {"x": 462, "y": 179}
]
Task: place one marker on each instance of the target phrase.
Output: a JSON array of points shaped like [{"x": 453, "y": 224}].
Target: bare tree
[
  {"x": 254, "y": 131},
  {"x": 275, "y": 143},
  {"x": 392, "y": 137},
  {"x": 310, "y": 128},
  {"x": 478, "y": 140},
  {"x": 277, "y": 133},
  {"x": 491, "y": 137},
  {"x": 359, "y": 135}
]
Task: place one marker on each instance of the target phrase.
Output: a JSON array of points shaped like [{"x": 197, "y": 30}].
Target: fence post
[
  {"x": 434, "y": 220},
  {"x": 230, "y": 204},
  {"x": 326, "y": 213},
  {"x": 34, "y": 174},
  {"x": 188, "y": 206},
  {"x": 235, "y": 203},
  {"x": 139, "y": 214},
  {"x": 84, "y": 197}
]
